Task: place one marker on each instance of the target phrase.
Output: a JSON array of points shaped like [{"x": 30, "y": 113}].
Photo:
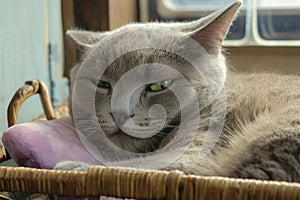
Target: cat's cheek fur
[{"x": 222, "y": 64}]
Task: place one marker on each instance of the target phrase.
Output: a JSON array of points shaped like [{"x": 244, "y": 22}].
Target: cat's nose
[{"x": 121, "y": 117}]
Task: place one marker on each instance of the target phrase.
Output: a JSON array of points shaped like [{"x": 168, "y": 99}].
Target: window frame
[{"x": 251, "y": 38}]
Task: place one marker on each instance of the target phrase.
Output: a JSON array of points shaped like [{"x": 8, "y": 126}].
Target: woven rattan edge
[{"x": 128, "y": 183}]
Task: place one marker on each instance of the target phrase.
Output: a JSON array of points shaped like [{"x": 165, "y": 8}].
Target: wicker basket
[{"x": 126, "y": 182}]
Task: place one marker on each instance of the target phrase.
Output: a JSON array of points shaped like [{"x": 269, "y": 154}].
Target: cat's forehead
[
  {"x": 134, "y": 47},
  {"x": 153, "y": 61},
  {"x": 125, "y": 48},
  {"x": 158, "y": 35}
]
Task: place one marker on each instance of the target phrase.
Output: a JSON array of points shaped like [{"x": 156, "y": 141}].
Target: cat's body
[
  {"x": 261, "y": 134},
  {"x": 261, "y": 131}
]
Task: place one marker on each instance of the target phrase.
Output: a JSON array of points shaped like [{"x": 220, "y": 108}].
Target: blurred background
[{"x": 265, "y": 36}]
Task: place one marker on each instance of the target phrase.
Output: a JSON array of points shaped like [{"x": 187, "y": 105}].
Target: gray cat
[{"x": 260, "y": 135}]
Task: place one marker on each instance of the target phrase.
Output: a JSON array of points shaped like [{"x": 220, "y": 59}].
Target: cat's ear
[
  {"x": 211, "y": 30},
  {"x": 83, "y": 40}
]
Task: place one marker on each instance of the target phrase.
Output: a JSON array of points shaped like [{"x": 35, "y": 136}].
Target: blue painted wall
[{"x": 31, "y": 47}]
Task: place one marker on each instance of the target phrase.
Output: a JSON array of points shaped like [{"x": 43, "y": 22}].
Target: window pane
[
  {"x": 236, "y": 32},
  {"x": 238, "y": 29},
  {"x": 279, "y": 20}
]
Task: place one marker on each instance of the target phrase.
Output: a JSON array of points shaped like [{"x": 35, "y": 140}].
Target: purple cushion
[{"x": 43, "y": 144}]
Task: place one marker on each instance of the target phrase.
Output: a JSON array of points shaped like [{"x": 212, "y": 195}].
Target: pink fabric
[{"x": 43, "y": 144}]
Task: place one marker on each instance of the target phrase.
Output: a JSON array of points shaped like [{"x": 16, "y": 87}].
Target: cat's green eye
[
  {"x": 156, "y": 87},
  {"x": 103, "y": 84}
]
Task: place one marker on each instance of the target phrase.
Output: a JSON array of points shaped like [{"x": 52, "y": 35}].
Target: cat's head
[{"x": 95, "y": 48}]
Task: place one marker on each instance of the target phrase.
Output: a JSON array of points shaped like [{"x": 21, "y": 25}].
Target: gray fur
[{"x": 261, "y": 135}]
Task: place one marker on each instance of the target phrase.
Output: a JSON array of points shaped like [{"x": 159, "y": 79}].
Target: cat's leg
[
  {"x": 274, "y": 157},
  {"x": 267, "y": 148},
  {"x": 72, "y": 165}
]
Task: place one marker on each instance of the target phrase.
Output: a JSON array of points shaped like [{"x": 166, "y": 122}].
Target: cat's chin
[{"x": 136, "y": 144}]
